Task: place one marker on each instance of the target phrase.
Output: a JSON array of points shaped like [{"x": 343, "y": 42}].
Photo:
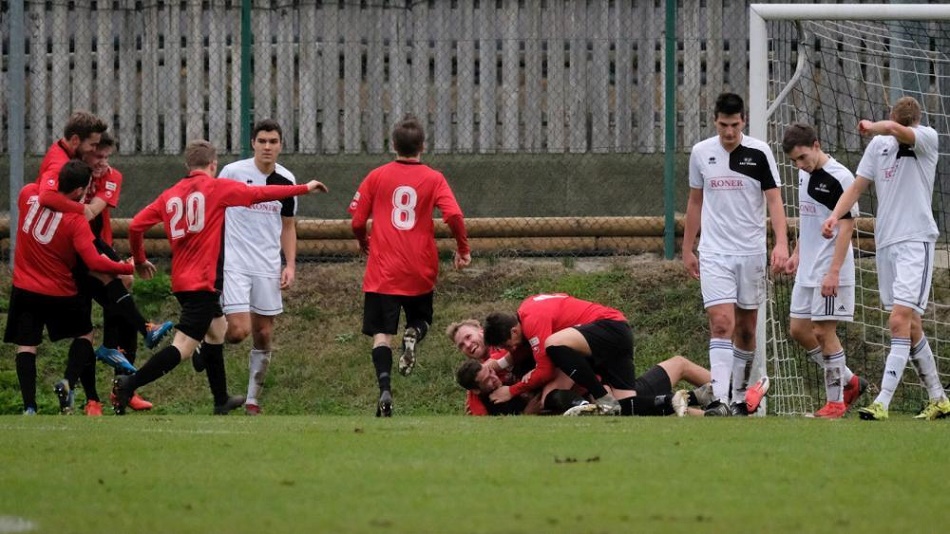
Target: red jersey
[
  {"x": 192, "y": 212},
  {"x": 400, "y": 198},
  {"x": 542, "y": 315},
  {"x": 108, "y": 187},
  {"x": 48, "y": 179},
  {"x": 47, "y": 245}
]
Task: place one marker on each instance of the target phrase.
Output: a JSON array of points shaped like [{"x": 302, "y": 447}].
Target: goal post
[{"x": 831, "y": 65}]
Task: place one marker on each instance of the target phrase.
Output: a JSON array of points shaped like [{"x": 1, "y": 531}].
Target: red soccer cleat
[
  {"x": 754, "y": 395},
  {"x": 853, "y": 391},
  {"x": 139, "y": 404},
  {"x": 832, "y": 410},
  {"x": 93, "y": 408}
]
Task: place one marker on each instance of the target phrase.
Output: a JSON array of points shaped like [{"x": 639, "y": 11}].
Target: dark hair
[
  {"x": 74, "y": 174},
  {"x": 798, "y": 134},
  {"x": 199, "y": 154},
  {"x": 106, "y": 140},
  {"x": 729, "y": 104},
  {"x": 498, "y": 327},
  {"x": 267, "y": 125},
  {"x": 83, "y": 124},
  {"x": 466, "y": 374},
  {"x": 408, "y": 137}
]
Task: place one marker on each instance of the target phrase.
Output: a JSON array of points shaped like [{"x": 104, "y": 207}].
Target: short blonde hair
[
  {"x": 199, "y": 154},
  {"x": 906, "y": 111},
  {"x": 454, "y": 327}
]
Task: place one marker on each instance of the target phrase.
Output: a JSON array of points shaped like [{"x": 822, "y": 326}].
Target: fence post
[
  {"x": 669, "y": 161},
  {"x": 245, "y": 78},
  {"x": 16, "y": 125}
]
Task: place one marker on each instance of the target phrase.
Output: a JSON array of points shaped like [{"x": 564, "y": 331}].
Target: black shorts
[
  {"x": 198, "y": 309},
  {"x": 381, "y": 311},
  {"x": 611, "y": 349},
  {"x": 651, "y": 384},
  {"x": 29, "y": 313},
  {"x": 89, "y": 286}
]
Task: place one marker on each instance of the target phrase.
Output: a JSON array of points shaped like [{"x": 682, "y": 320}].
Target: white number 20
[
  {"x": 192, "y": 209},
  {"x": 404, "y": 206}
]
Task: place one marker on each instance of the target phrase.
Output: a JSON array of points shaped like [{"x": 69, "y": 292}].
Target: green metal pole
[
  {"x": 669, "y": 167},
  {"x": 245, "y": 78}
]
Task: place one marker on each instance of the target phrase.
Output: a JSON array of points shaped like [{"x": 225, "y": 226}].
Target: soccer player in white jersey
[
  {"x": 732, "y": 178},
  {"x": 824, "y": 281},
  {"x": 901, "y": 160},
  {"x": 253, "y": 241}
]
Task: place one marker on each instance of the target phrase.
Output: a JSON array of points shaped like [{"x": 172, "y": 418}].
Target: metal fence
[{"x": 534, "y": 108}]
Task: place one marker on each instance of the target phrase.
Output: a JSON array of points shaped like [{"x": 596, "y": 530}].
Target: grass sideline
[{"x": 469, "y": 475}]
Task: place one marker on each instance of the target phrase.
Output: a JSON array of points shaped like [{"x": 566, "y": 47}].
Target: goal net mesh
[{"x": 848, "y": 71}]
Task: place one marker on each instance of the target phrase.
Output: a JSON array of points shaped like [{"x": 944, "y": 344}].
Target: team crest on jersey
[
  {"x": 51, "y": 182},
  {"x": 712, "y": 160},
  {"x": 356, "y": 199},
  {"x": 111, "y": 186},
  {"x": 890, "y": 172},
  {"x": 534, "y": 342},
  {"x": 108, "y": 194},
  {"x": 747, "y": 162}
]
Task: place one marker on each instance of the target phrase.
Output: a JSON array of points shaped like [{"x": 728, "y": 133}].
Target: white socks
[
  {"x": 720, "y": 367},
  {"x": 741, "y": 367},
  {"x": 257, "y": 364},
  {"x": 894, "y": 369},
  {"x": 834, "y": 377},
  {"x": 926, "y": 366}
]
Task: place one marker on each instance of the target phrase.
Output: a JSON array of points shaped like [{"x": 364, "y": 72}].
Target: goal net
[{"x": 831, "y": 66}]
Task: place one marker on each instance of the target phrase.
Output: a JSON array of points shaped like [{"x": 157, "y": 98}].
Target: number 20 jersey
[{"x": 400, "y": 198}]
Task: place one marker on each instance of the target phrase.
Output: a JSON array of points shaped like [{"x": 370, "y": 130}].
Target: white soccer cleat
[{"x": 680, "y": 402}]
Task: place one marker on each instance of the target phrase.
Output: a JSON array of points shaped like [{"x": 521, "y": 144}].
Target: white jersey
[
  {"x": 252, "y": 234},
  {"x": 818, "y": 193},
  {"x": 903, "y": 179},
  {"x": 733, "y": 218}
]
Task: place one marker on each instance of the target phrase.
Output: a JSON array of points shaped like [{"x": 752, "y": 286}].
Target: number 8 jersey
[
  {"x": 193, "y": 215},
  {"x": 400, "y": 198}
]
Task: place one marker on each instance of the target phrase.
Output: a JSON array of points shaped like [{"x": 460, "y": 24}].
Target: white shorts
[
  {"x": 807, "y": 303},
  {"x": 251, "y": 293},
  {"x": 738, "y": 280},
  {"x": 904, "y": 273}
]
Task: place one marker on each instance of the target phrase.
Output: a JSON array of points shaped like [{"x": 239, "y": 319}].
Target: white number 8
[{"x": 404, "y": 204}]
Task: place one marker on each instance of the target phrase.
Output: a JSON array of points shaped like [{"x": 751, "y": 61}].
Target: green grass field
[{"x": 440, "y": 474}]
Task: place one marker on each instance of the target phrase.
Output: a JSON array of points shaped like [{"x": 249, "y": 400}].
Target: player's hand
[
  {"x": 287, "y": 277},
  {"x": 527, "y": 376},
  {"x": 779, "y": 258},
  {"x": 691, "y": 262},
  {"x": 502, "y": 394},
  {"x": 829, "y": 284},
  {"x": 828, "y": 227},
  {"x": 314, "y": 185},
  {"x": 791, "y": 266},
  {"x": 145, "y": 270},
  {"x": 864, "y": 127},
  {"x": 462, "y": 261}
]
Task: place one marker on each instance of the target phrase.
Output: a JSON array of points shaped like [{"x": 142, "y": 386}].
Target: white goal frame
[{"x": 758, "y": 109}]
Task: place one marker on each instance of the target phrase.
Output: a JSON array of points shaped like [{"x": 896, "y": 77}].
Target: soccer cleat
[
  {"x": 155, "y": 332},
  {"x": 121, "y": 393},
  {"x": 29, "y": 411},
  {"x": 680, "y": 402},
  {"x": 384, "y": 408},
  {"x": 738, "y": 408},
  {"x": 831, "y": 410},
  {"x": 93, "y": 408},
  {"x": 252, "y": 409},
  {"x": 754, "y": 395},
  {"x": 234, "y": 402},
  {"x": 874, "y": 412},
  {"x": 586, "y": 408},
  {"x": 704, "y": 394},
  {"x": 408, "y": 359},
  {"x": 855, "y": 388},
  {"x": 934, "y": 410},
  {"x": 139, "y": 404},
  {"x": 65, "y": 395},
  {"x": 717, "y": 409},
  {"x": 115, "y": 359}
]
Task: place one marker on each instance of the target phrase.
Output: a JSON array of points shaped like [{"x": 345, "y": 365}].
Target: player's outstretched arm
[{"x": 319, "y": 187}]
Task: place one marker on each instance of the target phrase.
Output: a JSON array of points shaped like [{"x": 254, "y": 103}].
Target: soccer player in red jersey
[
  {"x": 44, "y": 291},
  {"x": 192, "y": 212},
  {"x": 570, "y": 334},
  {"x": 122, "y": 321},
  {"x": 80, "y": 136},
  {"x": 403, "y": 261}
]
